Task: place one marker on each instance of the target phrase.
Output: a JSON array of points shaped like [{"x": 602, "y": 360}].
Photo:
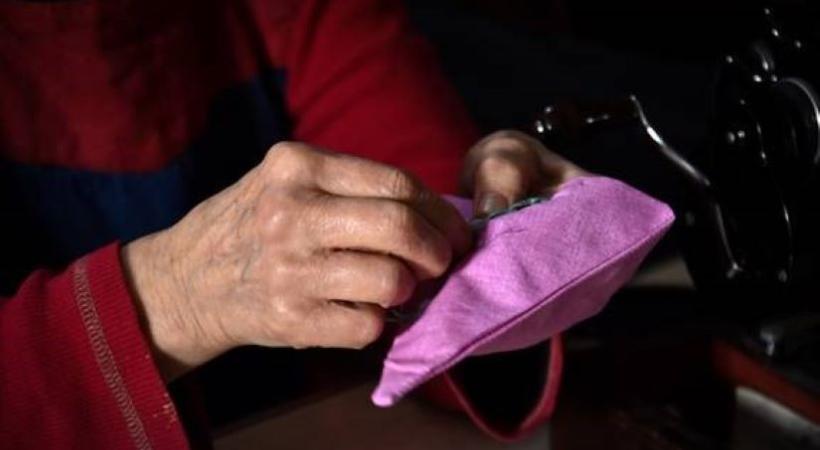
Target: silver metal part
[
  {"x": 811, "y": 96},
  {"x": 480, "y": 222},
  {"x": 734, "y": 268},
  {"x": 665, "y": 148}
]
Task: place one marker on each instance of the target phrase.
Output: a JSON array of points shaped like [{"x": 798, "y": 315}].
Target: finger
[
  {"x": 500, "y": 180},
  {"x": 499, "y": 170},
  {"x": 362, "y": 277},
  {"x": 349, "y": 176},
  {"x": 347, "y": 325},
  {"x": 382, "y": 226}
]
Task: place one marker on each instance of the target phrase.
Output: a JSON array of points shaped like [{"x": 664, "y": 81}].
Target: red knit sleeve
[
  {"x": 75, "y": 370},
  {"x": 360, "y": 80}
]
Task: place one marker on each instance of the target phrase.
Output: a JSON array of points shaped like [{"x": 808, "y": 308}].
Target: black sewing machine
[{"x": 749, "y": 210}]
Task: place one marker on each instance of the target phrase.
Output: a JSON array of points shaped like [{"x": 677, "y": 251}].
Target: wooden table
[{"x": 347, "y": 420}]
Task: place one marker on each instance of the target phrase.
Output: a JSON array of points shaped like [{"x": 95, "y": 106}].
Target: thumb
[{"x": 499, "y": 182}]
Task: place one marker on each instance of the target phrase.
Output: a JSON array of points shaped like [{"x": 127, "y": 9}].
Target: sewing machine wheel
[
  {"x": 764, "y": 160},
  {"x": 801, "y": 118}
]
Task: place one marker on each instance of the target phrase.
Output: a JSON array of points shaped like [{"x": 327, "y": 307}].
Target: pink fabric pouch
[{"x": 532, "y": 274}]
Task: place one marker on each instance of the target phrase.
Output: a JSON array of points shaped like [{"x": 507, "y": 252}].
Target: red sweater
[
  {"x": 95, "y": 95},
  {"x": 116, "y": 117}
]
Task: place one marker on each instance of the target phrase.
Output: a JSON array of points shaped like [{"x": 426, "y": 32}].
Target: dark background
[{"x": 510, "y": 59}]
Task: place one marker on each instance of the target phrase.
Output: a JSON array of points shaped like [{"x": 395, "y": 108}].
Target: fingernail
[{"x": 491, "y": 202}]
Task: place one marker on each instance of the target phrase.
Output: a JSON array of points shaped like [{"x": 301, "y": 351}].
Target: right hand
[{"x": 307, "y": 249}]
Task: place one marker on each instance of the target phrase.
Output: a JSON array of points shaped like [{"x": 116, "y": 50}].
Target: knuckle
[
  {"x": 408, "y": 232},
  {"x": 507, "y": 134},
  {"x": 277, "y": 215},
  {"x": 288, "y": 158},
  {"x": 441, "y": 260},
  {"x": 501, "y": 170},
  {"x": 289, "y": 327},
  {"x": 409, "y": 239},
  {"x": 496, "y": 163},
  {"x": 508, "y": 138},
  {"x": 403, "y": 220},
  {"x": 288, "y": 274},
  {"x": 396, "y": 283},
  {"x": 288, "y": 316},
  {"x": 508, "y": 145},
  {"x": 284, "y": 150},
  {"x": 403, "y": 185}
]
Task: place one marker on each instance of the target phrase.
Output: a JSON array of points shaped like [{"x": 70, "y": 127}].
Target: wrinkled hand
[
  {"x": 307, "y": 249},
  {"x": 507, "y": 166}
]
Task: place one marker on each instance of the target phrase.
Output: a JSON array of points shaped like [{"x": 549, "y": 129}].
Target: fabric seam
[
  {"x": 449, "y": 362},
  {"x": 105, "y": 357}
]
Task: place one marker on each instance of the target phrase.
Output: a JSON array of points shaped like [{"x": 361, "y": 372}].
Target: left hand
[{"x": 507, "y": 166}]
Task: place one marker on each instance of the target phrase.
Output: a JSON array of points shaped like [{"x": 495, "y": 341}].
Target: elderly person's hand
[
  {"x": 507, "y": 166},
  {"x": 307, "y": 249},
  {"x": 310, "y": 248}
]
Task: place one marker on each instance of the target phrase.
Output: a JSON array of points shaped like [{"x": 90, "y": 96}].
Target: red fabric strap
[{"x": 445, "y": 391}]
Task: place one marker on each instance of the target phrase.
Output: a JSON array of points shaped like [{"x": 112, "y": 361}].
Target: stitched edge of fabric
[
  {"x": 655, "y": 233},
  {"x": 105, "y": 357}
]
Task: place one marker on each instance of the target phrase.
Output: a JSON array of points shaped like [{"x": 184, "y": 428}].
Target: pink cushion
[{"x": 533, "y": 273}]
